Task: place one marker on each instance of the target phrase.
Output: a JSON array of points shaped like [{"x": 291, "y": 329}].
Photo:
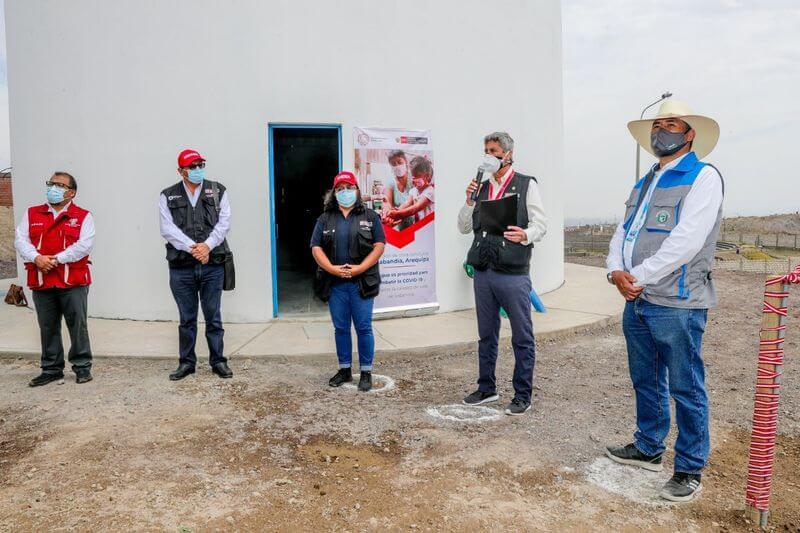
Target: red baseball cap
[
  {"x": 186, "y": 157},
  {"x": 345, "y": 176}
]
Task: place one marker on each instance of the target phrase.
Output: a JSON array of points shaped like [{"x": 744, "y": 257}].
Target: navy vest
[
  {"x": 493, "y": 251},
  {"x": 196, "y": 222},
  {"x": 361, "y": 243}
]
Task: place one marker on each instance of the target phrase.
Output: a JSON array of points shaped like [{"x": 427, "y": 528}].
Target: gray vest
[{"x": 690, "y": 286}]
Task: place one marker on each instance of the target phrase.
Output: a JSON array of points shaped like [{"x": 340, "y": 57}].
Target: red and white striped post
[{"x": 768, "y": 383}]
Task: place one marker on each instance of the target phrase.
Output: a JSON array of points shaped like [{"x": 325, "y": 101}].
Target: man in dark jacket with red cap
[{"x": 195, "y": 218}]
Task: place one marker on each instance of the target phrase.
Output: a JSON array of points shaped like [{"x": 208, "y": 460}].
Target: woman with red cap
[{"x": 347, "y": 243}]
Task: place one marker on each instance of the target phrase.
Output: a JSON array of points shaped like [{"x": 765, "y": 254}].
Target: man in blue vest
[
  {"x": 660, "y": 260},
  {"x": 502, "y": 271}
]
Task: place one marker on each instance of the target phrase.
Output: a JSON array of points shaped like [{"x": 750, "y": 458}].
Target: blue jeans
[
  {"x": 664, "y": 357},
  {"x": 187, "y": 284},
  {"x": 347, "y": 306},
  {"x": 511, "y": 292}
]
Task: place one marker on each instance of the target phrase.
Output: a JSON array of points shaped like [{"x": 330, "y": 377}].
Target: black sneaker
[
  {"x": 517, "y": 407},
  {"x": 344, "y": 375},
  {"x": 630, "y": 455},
  {"x": 682, "y": 487},
  {"x": 44, "y": 379},
  {"x": 478, "y": 397},
  {"x": 83, "y": 375},
  {"x": 365, "y": 383}
]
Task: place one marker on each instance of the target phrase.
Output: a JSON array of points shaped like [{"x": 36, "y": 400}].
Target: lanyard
[{"x": 502, "y": 189}]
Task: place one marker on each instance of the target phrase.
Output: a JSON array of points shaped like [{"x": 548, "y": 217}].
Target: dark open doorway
[{"x": 304, "y": 160}]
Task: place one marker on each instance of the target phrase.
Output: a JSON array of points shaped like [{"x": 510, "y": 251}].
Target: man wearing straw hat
[{"x": 660, "y": 260}]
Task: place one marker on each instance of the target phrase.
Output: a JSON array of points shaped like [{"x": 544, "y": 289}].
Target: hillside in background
[{"x": 767, "y": 224}]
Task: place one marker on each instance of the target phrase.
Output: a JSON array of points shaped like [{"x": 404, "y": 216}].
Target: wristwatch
[{"x": 608, "y": 277}]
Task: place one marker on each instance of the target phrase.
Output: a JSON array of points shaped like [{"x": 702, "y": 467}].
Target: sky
[{"x": 737, "y": 61}]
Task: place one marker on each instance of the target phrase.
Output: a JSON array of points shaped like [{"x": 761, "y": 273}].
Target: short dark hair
[
  {"x": 421, "y": 165},
  {"x": 396, "y": 153},
  {"x": 73, "y": 184}
]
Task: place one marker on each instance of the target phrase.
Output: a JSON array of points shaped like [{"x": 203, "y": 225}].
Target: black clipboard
[{"x": 497, "y": 215}]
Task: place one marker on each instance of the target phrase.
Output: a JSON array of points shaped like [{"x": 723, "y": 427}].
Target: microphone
[{"x": 478, "y": 178}]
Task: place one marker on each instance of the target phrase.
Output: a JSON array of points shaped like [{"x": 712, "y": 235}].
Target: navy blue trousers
[
  {"x": 494, "y": 290},
  {"x": 187, "y": 284}
]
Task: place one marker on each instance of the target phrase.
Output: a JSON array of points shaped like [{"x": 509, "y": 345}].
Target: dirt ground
[{"x": 275, "y": 449}]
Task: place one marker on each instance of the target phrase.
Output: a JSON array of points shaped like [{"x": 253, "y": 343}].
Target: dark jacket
[
  {"x": 196, "y": 222},
  {"x": 361, "y": 242},
  {"x": 494, "y": 251}
]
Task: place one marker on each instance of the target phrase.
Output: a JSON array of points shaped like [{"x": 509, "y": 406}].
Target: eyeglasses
[
  {"x": 193, "y": 166},
  {"x": 59, "y": 185}
]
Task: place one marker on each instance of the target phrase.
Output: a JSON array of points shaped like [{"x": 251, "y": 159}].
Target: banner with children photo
[{"x": 395, "y": 172}]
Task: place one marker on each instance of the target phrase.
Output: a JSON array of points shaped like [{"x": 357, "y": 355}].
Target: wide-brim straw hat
[{"x": 706, "y": 129}]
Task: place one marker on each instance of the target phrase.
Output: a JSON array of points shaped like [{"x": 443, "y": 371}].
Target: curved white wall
[{"x": 112, "y": 91}]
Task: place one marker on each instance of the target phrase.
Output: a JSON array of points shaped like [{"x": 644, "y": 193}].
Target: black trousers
[{"x": 51, "y": 306}]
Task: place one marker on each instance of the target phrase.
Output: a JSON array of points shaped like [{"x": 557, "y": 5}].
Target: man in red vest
[{"x": 54, "y": 239}]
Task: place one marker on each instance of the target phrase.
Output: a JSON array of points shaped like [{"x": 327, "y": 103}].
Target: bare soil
[{"x": 275, "y": 449}]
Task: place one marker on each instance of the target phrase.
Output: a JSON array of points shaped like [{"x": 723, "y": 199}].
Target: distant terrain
[{"x": 789, "y": 223}]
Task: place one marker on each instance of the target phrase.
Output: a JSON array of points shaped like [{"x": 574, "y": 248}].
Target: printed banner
[{"x": 396, "y": 178}]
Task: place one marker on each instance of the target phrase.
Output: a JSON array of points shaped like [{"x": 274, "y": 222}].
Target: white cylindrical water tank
[{"x": 112, "y": 91}]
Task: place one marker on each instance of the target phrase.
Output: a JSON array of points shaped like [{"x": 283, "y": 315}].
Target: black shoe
[
  {"x": 518, "y": 407},
  {"x": 222, "y": 370},
  {"x": 344, "y": 375},
  {"x": 478, "y": 397},
  {"x": 682, "y": 487},
  {"x": 183, "y": 370},
  {"x": 44, "y": 379},
  {"x": 83, "y": 375},
  {"x": 365, "y": 383},
  {"x": 630, "y": 455}
]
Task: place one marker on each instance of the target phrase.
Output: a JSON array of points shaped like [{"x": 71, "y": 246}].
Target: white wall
[{"x": 112, "y": 90}]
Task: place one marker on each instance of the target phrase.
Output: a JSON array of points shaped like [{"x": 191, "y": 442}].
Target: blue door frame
[{"x": 272, "y": 229}]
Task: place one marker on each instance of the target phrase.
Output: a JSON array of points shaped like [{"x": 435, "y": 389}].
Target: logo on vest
[
  {"x": 73, "y": 223},
  {"x": 170, "y": 198},
  {"x": 366, "y": 224},
  {"x": 662, "y": 217}
]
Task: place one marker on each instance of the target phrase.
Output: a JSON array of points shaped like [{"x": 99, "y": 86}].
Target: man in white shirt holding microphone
[{"x": 502, "y": 270}]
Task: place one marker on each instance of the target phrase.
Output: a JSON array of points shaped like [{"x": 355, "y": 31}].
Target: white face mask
[
  {"x": 490, "y": 163},
  {"x": 400, "y": 170}
]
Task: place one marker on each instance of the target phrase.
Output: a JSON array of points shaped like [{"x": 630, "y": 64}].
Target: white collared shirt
[
  {"x": 83, "y": 247},
  {"x": 537, "y": 221},
  {"x": 698, "y": 217},
  {"x": 178, "y": 238}
]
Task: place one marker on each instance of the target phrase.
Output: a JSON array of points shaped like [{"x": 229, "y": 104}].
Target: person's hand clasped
[
  {"x": 356, "y": 270},
  {"x": 201, "y": 252},
  {"x": 45, "y": 263},
  {"x": 343, "y": 271},
  {"x": 515, "y": 234},
  {"x": 625, "y": 285}
]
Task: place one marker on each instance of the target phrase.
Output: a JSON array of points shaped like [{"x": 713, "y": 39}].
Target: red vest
[{"x": 51, "y": 237}]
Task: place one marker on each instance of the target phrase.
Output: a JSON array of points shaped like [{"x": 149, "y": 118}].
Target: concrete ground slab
[{"x": 584, "y": 301}]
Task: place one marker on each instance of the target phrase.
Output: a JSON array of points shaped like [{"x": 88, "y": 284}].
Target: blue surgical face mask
[
  {"x": 55, "y": 194},
  {"x": 197, "y": 175},
  {"x": 346, "y": 197}
]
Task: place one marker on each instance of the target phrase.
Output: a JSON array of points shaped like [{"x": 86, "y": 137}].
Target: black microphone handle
[{"x": 477, "y": 190}]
